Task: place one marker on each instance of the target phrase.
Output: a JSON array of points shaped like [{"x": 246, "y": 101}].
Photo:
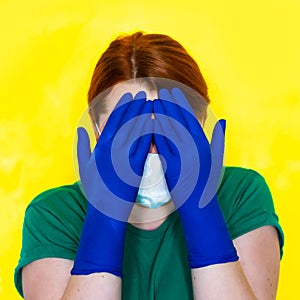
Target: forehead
[
  {"x": 132, "y": 87},
  {"x": 105, "y": 102},
  {"x": 103, "y": 105}
]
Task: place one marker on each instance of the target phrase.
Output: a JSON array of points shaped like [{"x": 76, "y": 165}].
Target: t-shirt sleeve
[
  {"x": 51, "y": 228},
  {"x": 247, "y": 203}
]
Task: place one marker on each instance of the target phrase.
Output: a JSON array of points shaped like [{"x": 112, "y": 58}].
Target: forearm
[
  {"x": 221, "y": 281},
  {"x": 95, "y": 286}
]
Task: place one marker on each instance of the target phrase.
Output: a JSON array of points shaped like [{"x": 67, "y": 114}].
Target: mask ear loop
[
  {"x": 103, "y": 124},
  {"x": 98, "y": 128}
]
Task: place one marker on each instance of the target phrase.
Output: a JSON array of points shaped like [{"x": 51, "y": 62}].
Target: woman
[{"x": 213, "y": 246}]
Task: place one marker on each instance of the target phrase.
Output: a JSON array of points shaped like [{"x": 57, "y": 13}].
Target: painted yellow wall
[{"x": 248, "y": 51}]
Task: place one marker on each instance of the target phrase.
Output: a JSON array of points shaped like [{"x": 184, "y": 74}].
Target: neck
[{"x": 150, "y": 218}]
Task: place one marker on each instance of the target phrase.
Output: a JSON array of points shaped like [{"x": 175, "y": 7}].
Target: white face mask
[{"x": 153, "y": 191}]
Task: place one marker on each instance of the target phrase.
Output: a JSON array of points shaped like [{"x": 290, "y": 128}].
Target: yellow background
[{"x": 248, "y": 51}]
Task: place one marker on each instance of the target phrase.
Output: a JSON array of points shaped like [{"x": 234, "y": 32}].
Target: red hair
[{"x": 146, "y": 55}]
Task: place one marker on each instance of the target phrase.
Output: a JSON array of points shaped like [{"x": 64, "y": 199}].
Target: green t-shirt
[{"x": 155, "y": 262}]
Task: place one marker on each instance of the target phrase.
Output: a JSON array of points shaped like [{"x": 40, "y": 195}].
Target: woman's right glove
[{"x": 109, "y": 184}]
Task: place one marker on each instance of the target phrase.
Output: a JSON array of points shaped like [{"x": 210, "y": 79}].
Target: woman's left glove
[
  {"x": 110, "y": 177},
  {"x": 192, "y": 170}
]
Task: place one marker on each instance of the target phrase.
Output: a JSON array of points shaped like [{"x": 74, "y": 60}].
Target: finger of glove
[
  {"x": 217, "y": 149},
  {"x": 142, "y": 130},
  {"x": 125, "y": 98},
  {"x": 162, "y": 127},
  {"x": 133, "y": 119},
  {"x": 116, "y": 118},
  {"x": 135, "y": 107},
  {"x": 218, "y": 140},
  {"x": 186, "y": 112},
  {"x": 176, "y": 109},
  {"x": 83, "y": 148},
  {"x": 167, "y": 118},
  {"x": 142, "y": 146},
  {"x": 171, "y": 108},
  {"x": 180, "y": 99}
]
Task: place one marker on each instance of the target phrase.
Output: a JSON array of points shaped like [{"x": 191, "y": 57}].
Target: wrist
[
  {"x": 207, "y": 237},
  {"x": 101, "y": 246}
]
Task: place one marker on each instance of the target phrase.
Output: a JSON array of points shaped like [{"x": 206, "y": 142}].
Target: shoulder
[
  {"x": 61, "y": 192},
  {"x": 238, "y": 182},
  {"x": 241, "y": 185},
  {"x": 53, "y": 220},
  {"x": 239, "y": 174},
  {"x": 65, "y": 198},
  {"x": 52, "y": 226},
  {"x": 57, "y": 211},
  {"x": 246, "y": 201}
]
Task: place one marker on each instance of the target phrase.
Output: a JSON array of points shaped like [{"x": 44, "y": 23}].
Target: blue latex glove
[
  {"x": 123, "y": 144},
  {"x": 192, "y": 170}
]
